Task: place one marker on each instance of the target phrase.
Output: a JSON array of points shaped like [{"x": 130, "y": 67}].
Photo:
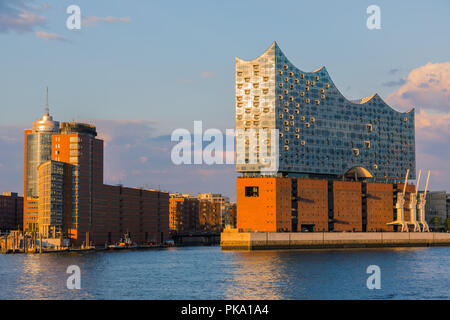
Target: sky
[{"x": 139, "y": 69}]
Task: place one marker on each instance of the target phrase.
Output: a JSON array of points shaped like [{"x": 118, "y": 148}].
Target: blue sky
[{"x": 168, "y": 63}]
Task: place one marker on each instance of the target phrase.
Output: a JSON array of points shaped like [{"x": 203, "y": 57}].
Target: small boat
[{"x": 124, "y": 243}]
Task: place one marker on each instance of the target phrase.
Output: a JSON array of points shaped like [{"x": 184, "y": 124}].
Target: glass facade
[
  {"x": 51, "y": 186},
  {"x": 39, "y": 150},
  {"x": 320, "y": 131}
]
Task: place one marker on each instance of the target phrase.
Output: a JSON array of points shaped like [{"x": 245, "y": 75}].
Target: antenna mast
[{"x": 47, "y": 109}]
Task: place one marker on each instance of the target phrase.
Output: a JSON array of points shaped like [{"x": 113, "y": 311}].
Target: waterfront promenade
[{"x": 325, "y": 240}]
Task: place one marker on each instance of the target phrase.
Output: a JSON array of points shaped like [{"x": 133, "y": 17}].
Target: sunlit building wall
[
  {"x": 38, "y": 149},
  {"x": 55, "y": 198}
]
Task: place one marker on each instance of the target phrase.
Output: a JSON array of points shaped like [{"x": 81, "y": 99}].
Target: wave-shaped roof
[{"x": 323, "y": 70}]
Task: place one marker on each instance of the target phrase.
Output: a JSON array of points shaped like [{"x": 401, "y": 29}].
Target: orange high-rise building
[
  {"x": 78, "y": 204},
  {"x": 37, "y": 150}
]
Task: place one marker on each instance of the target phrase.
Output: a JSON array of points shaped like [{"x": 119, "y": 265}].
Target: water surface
[{"x": 209, "y": 273}]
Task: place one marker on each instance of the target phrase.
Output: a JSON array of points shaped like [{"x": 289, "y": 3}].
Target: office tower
[
  {"x": 55, "y": 198},
  {"x": 66, "y": 195},
  {"x": 38, "y": 149},
  {"x": 77, "y": 145}
]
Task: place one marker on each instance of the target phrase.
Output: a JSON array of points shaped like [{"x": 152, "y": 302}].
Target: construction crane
[
  {"x": 421, "y": 205},
  {"x": 413, "y": 207},
  {"x": 400, "y": 207}
]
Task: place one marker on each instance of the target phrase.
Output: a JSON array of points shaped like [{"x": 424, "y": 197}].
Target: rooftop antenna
[
  {"x": 47, "y": 109},
  {"x": 400, "y": 207},
  {"x": 421, "y": 205},
  {"x": 413, "y": 207}
]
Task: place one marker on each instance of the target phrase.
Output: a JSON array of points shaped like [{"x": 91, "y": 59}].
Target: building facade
[
  {"x": 38, "y": 149},
  {"x": 11, "y": 211},
  {"x": 339, "y": 164},
  {"x": 55, "y": 198},
  {"x": 184, "y": 213},
  {"x": 286, "y": 204},
  {"x": 214, "y": 211},
  {"x": 66, "y": 195},
  {"x": 321, "y": 133},
  {"x": 436, "y": 209}
]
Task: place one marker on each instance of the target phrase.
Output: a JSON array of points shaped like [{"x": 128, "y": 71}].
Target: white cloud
[
  {"x": 426, "y": 87},
  {"x": 20, "y": 21},
  {"x": 143, "y": 159},
  {"x": 50, "y": 36},
  {"x": 208, "y": 74}
]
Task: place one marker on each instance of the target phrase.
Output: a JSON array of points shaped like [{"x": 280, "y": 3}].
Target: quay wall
[{"x": 324, "y": 240}]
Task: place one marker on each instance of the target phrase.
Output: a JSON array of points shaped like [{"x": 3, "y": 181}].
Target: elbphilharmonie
[
  {"x": 321, "y": 133},
  {"x": 342, "y": 165}
]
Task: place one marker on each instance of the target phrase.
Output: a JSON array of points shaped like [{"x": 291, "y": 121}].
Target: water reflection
[
  {"x": 209, "y": 273},
  {"x": 257, "y": 276}
]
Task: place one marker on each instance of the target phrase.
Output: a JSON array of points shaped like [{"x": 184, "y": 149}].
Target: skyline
[{"x": 152, "y": 91}]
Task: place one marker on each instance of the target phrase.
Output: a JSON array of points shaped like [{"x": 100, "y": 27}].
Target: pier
[{"x": 327, "y": 240}]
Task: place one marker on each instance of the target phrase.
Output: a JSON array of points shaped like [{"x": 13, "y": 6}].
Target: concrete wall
[{"x": 317, "y": 240}]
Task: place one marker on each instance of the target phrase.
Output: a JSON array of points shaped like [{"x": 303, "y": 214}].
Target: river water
[{"x": 209, "y": 273}]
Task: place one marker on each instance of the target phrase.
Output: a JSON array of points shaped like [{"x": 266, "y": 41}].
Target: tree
[{"x": 435, "y": 222}]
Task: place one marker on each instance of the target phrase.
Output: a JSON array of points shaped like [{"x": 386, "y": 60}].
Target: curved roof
[
  {"x": 374, "y": 97},
  {"x": 360, "y": 172}
]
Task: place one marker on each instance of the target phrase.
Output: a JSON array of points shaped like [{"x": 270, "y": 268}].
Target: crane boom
[
  {"x": 406, "y": 182},
  {"x": 418, "y": 181},
  {"x": 426, "y": 186}
]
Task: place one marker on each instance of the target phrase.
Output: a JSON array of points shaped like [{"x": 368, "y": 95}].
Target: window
[{"x": 252, "y": 191}]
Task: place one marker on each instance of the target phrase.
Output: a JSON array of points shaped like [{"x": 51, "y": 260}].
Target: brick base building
[{"x": 276, "y": 204}]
